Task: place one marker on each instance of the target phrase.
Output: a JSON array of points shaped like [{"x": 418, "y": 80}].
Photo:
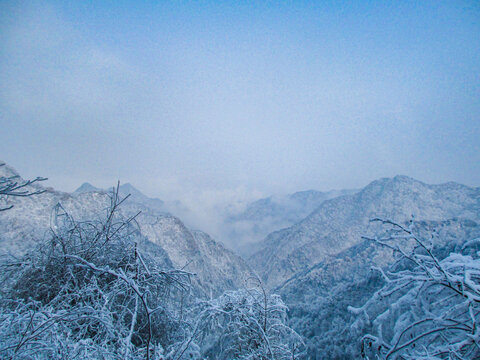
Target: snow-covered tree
[
  {"x": 246, "y": 324},
  {"x": 429, "y": 307},
  {"x": 88, "y": 292}
]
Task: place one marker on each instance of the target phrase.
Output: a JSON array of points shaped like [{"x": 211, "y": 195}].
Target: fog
[{"x": 219, "y": 104}]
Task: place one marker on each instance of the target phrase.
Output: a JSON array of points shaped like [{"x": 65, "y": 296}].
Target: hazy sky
[{"x": 241, "y": 96}]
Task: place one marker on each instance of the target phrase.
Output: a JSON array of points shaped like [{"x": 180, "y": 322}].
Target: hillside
[
  {"x": 263, "y": 216},
  {"x": 339, "y": 223},
  {"x": 318, "y": 298},
  {"x": 216, "y": 268}
]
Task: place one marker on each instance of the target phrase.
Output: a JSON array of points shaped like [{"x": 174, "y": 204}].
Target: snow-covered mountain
[
  {"x": 86, "y": 187},
  {"x": 355, "y": 263},
  {"x": 272, "y": 213},
  {"x": 338, "y": 223},
  {"x": 126, "y": 189},
  {"x": 318, "y": 298},
  {"x": 320, "y": 265},
  {"x": 216, "y": 268}
]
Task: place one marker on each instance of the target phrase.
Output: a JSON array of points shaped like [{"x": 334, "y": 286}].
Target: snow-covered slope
[
  {"x": 126, "y": 189},
  {"x": 86, "y": 187},
  {"x": 216, "y": 268},
  {"x": 263, "y": 216},
  {"x": 338, "y": 223},
  {"x": 318, "y": 297}
]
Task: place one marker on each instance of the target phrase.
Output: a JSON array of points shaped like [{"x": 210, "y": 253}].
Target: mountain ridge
[
  {"x": 263, "y": 216},
  {"x": 167, "y": 236},
  {"x": 338, "y": 223}
]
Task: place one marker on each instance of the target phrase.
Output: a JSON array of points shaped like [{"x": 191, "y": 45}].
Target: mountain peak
[
  {"x": 404, "y": 178},
  {"x": 127, "y": 187},
  {"x": 340, "y": 222},
  {"x": 139, "y": 197},
  {"x": 86, "y": 187},
  {"x": 398, "y": 181}
]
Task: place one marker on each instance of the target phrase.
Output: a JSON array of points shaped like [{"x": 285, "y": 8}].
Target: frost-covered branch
[
  {"x": 10, "y": 186},
  {"x": 88, "y": 292},
  {"x": 433, "y": 303},
  {"x": 247, "y": 324}
]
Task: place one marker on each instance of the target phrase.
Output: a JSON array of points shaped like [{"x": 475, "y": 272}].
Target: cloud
[{"x": 209, "y": 105}]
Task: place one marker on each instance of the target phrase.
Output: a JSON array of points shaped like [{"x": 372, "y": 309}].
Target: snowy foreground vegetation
[
  {"x": 429, "y": 307},
  {"x": 96, "y": 289},
  {"x": 87, "y": 292}
]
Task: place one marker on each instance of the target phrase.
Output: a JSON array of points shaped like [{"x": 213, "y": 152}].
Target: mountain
[
  {"x": 331, "y": 280},
  {"x": 124, "y": 190},
  {"x": 139, "y": 197},
  {"x": 355, "y": 263},
  {"x": 172, "y": 243},
  {"x": 265, "y": 215},
  {"x": 288, "y": 208},
  {"x": 86, "y": 187},
  {"x": 318, "y": 298},
  {"x": 339, "y": 223}
]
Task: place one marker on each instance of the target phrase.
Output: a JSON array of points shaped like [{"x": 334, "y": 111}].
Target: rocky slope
[
  {"x": 339, "y": 223},
  {"x": 216, "y": 268}
]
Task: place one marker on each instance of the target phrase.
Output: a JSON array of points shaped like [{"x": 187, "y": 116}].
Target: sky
[{"x": 238, "y": 99}]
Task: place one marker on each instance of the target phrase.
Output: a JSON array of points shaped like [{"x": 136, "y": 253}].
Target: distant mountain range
[
  {"x": 263, "y": 216},
  {"x": 241, "y": 230},
  {"x": 339, "y": 223},
  {"x": 87, "y": 187},
  {"x": 321, "y": 265},
  {"x": 306, "y": 246}
]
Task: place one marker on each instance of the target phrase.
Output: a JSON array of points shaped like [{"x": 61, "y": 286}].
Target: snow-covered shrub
[
  {"x": 246, "y": 324},
  {"x": 88, "y": 292},
  {"x": 432, "y": 298}
]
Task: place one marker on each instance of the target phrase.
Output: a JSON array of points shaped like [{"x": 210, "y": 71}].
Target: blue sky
[{"x": 252, "y": 97}]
